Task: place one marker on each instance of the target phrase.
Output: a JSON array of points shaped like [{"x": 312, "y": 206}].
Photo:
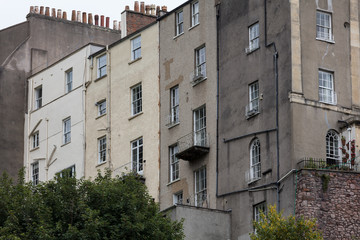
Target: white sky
[{"x": 15, "y": 11}]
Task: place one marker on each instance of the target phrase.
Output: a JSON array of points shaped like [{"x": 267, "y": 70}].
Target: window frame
[
  {"x": 195, "y": 13},
  {"x": 254, "y": 37},
  {"x": 35, "y": 140},
  {"x": 174, "y": 163},
  {"x": 254, "y": 96},
  {"x": 35, "y": 173},
  {"x": 179, "y": 22},
  {"x": 255, "y": 160},
  {"x": 38, "y": 97},
  {"x": 200, "y": 61},
  {"x": 332, "y": 147},
  {"x": 136, "y": 103},
  {"x": 326, "y": 93},
  {"x": 101, "y": 108},
  {"x": 101, "y": 66},
  {"x": 178, "y": 198},
  {"x": 102, "y": 149},
  {"x": 174, "y": 104},
  {"x": 200, "y": 190},
  {"x": 137, "y": 156},
  {"x": 72, "y": 171},
  {"x": 135, "y": 50},
  {"x": 257, "y": 209},
  {"x": 69, "y": 84},
  {"x": 67, "y": 130},
  {"x": 326, "y": 35},
  {"x": 199, "y": 118}
]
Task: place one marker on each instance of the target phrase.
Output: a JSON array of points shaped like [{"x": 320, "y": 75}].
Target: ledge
[
  {"x": 252, "y": 50},
  {"x": 65, "y": 144},
  {"x": 100, "y": 116},
  {"x": 134, "y": 116},
  {"x": 135, "y": 60},
  {"x": 194, "y": 26},
  {"x": 100, "y": 164},
  {"x": 178, "y": 35},
  {"x": 325, "y": 40},
  {"x": 98, "y": 79},
  {"x": 172, "y": 125},
  {"x": 34, "y": 149},
  {"x": 175, "y": 181}
]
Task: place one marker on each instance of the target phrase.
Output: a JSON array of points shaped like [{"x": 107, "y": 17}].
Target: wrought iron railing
[
  {"x": 327, "y": 164},
  {"x": 200, "y": 139}
]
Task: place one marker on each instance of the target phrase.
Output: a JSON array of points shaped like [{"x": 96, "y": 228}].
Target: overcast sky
[{"x": 15, "y": 11}]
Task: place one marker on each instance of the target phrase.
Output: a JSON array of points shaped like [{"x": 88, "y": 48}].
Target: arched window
[
  {"x": 255, "y": 164},
  {"x": 332, "y": 147}
]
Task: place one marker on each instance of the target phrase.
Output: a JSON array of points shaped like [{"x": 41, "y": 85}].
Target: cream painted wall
[
  {"x": 122, "y": 74},
  {"x": 52, "y": 154}
]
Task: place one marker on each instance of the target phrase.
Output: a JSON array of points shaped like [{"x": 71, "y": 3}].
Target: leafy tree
[
  {"x": 274, "y": 226},
  {"x": 66, "y": 208}
]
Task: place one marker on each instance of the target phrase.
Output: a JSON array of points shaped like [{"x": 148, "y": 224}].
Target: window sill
[
  {"x": 325, "y": 40},
  {"x": 99, "y": 78},
  {"x": 100, "y": 116},
  {"x": 178, "y": 35},
  {"x": 64, "y": 144},
  {"x": 254, "y": 181},
  {"x": 100, "y": 164},
  {"x": 134, "y": 116},
  {"x": 328, "y": 103},
  {"x": 252, "y": 50},
  {"x": 34, "y": 149},
  {"x": 198, "y": 81},
  {"x": 177, "y": 180},
  {"x": 135, "y": 60},
  {"x": 253, "y": 115},
  {"x": 171, "y": 125},
  {"x": 192, "y": 27}
]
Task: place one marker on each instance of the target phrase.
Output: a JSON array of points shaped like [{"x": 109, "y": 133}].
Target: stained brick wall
[
  {"x": 333, "y": 198},
  {"x": 136, "y": 20}
]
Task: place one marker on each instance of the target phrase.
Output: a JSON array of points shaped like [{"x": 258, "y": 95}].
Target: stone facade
[{"x": 332, "y": 197}]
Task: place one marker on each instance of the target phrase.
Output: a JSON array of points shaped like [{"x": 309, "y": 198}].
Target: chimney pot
[
  {"x": 53, "y": 12},
  {"x": 84, "y": 17},
  {"x": 42, "y": 10},
  {"x": 47, "y": 11},
  {"x": 115, "y": 25},
  {"x": 119, "y": 27},
  {"x": 107, "y": 22},
  {"x": 102, "y": 20},
  {"x": 73, "y": 15},
  {"x": 152, "y": 9},
  {"x": 64, "y": 15},
  {"x": 32, "y": 9},
  {"x": 142, "y": 7},
  {"x": 136, "y": 6},
  {"x": 37, "y": 9},
  {"x": 147, "y": 9},
  {"x": 97, "y": 20},
  {"x": 90, "y": 18},
  {"x": 78, "y": 16},
  {"x": 127, "y": 7},
  {"x": 157, "y": 10},
  {"x": 59, "y": 13},
  {"x": 164, "y": 8}
]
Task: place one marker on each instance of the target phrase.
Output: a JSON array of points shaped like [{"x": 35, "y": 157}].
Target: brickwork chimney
[{"x": 136, "y": 6}]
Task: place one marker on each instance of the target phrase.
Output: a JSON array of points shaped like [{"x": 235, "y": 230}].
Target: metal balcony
[{"x": 193, "y": 145}]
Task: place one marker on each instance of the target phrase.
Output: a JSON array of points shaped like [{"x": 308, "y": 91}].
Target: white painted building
[{"x": 55, "y": 122}]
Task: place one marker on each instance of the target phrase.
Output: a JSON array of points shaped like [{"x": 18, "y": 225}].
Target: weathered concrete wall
[
  {"x": 28, "y": 48},
  {"x": 333, "y": 199},
  {"x": 202, "y": 223}
]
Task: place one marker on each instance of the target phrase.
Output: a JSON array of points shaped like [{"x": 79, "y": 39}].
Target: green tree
[
  {"x": 273, "y": 226},
  {"x": 66, "y": 208}
]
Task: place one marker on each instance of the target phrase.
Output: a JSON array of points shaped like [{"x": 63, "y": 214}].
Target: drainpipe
[
  {"x": 84, "y": 111},
  {"x": 276, "y": 56},
  {"x": 217, "y": 95},
  {"x": 47, "y": 149},
  {"x": 108, "y": 106}
]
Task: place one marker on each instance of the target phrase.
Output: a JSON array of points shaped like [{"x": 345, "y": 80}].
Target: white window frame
[
  {"x": 35, "y": 140},
  {"x": 178, "y": 198},
  {"x": 101, "y": 107},
  {"x": 137, "y": 156},
  {"x": 255, "y": 160},
  {"x": 200, "y": 61},
  {"x": 194, "y": 13},
  {"x": 200, "y": 137},
  {"x": 179, "y": 22},
  {"x": 258, "y": 208},
  {"x": 254, "y": 96},
  {"x": 136, "y": 99},
  {"x": 174, "y": 163},
  {"x": 102, "y": 149},
  {"x": 254, "y": 37},
  {"x": 35, "y": 173},
  {"x": 200, "y": 186},
  {"x": 38, "y": 97},
  {"x": 72, "y": 171},
  {"x": 326, "y": 87},
  {"x": 332, "y": 147},
  {"x": 69, "y": 80},
  {"x": 136, "y": 48},
  {"x": 174, "y": 104},
  {"x": 67, "y": 130},
  {"x": 101, "y": 66},
  {"x": 324, "y": 26}
]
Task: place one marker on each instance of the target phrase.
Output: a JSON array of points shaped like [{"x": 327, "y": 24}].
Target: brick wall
[
  {"x": 333, "y": 198},
  {"x": 136, "y": 20}
]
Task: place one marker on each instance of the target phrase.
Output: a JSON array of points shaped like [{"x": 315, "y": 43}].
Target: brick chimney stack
[
  {"x": 142, "y": 7},
  {"x": 136, "y": 6}
]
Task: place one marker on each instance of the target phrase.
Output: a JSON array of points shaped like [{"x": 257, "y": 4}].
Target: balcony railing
[
  {"x": 193, "y": 145},
  {"x": 327, "y": 164}
]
